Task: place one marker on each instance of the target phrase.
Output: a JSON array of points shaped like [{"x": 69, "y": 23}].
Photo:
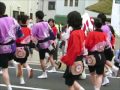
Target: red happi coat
[
  {"x": 55, "y": 31},
  {"x": 75, "y": 47},
  {"x": 26, "y": 36},
  {"x": 94, "y": 38}
]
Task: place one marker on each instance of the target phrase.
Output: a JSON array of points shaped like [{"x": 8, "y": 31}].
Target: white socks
[
  {"x": 44, "y": 75},
  {"x": 105, "y": 81},
  {"x": 81, "y": 88},
  {"x": 96, "y": 88},
  {"x": 1, "y": 72},
  {"x": 28, "y": 67},
  {"x": 22, "y": 80},
  {"x": 14, "y": 63},
  {"x": 9, "y": 87},
  {"x": 52, "y": 70},
  {"x": 114, "y": 68},
  {"x": 83, "y": 75}
]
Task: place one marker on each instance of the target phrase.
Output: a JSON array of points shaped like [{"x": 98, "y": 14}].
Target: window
[
  {"x": 76, "y": 3},
  {"x": 51, "y": 5},
  {"x": 66, "y": 3},
  {"x": 71, "y": 2},
  {"x": 21, "y": 13},
  {"x": 31, "y": 15},
  {"x": 15, "y": 14},
  {"x": 117, "y": 1}
]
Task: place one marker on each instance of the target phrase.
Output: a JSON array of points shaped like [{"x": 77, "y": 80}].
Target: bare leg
[
  {"x": 54, "y": 66},
  {"x": 21, "y": 75},
  {"x": 113, "y": 67},
  {"x": 43, "y": 66},
  {"x": 76, "y": 86},
  {"x": 109, "y": 63},
  {"x": 6, "y": 78},
  {"x": 52, "y": 61},
  {"x": 98, "y": 81},
  {"x": 71, "y": 88},
  {"x": 29, "y": 69},
  {"x": 19, "y": 70},
  {"x": 93, "y": 78}
]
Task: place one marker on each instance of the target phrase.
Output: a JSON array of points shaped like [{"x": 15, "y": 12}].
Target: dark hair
[
  {"x": 74, "y": 19},
  {"x": 51, "y": 20},
  {"x": 23, "y": 19},
  {"x": 39, "y": 14},
  {"x": 102, "y": 17},
  {"x": 2, "y": 8},
  {"x": 97, "y": 23},
  {"x": 112, "y": 30}
]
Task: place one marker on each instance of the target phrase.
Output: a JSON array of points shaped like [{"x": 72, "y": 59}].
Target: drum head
[
  {"x": 20, "y": 53},
  {"x": 77, "y": 68},
  {"x": 91, "y": 61}
]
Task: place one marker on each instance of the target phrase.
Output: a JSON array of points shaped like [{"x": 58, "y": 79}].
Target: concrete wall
[
  {"x": 64, "y": 10},
  {"x": 49, "y": 13},
  {"x": 117, "y": 43},
  {"x": 26, "y": 6},
  {"x": 31, "y": 6}
]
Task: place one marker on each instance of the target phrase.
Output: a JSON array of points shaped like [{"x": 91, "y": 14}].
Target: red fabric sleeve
[
  {"x": 75, "y": 45},
  {"x": 26, "y": 32},
  {"x": 54, "y": 30},
  {"x": 93, "y": 38},
  {"x": 89, "y": 42}
]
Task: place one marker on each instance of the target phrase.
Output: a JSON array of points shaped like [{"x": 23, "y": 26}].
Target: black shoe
[{"x": 59, "y": 64}]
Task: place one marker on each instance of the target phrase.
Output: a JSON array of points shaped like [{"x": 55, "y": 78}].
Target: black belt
[
  {"x": 20, "y": 45},
  {"x": 11, "y": 42},
  {"x": 46, "y": 39},
  {"x": 95, "y": 52}
]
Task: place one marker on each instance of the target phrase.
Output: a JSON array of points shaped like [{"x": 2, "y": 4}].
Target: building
[
  {"x": 57, "y": 9},
  {"x": 15, "y": 7}
]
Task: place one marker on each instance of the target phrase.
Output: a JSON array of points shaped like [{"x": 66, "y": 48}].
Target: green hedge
[{"x": 61, "y": 19}]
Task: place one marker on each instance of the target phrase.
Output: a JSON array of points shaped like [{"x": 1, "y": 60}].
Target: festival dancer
[
  {"x": 74, "y": 51},
  {"x": 22, "y": 47},
  {"x": 42, "y": 33},
  {"x": 96, "y": 42},
  {"x": 9, "y": 31},
  {"x": 55, "y": 55},
  {"x": 108, "y": 50}
]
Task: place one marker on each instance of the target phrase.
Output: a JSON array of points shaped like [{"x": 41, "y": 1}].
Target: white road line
[
  {"x": 25, "y": 88},
  {"x": 41, "y": 70},
  {"x": 108, "y": 76},
  {"x": 63, "y": 72},
  {"x": 32, "y": 63}
]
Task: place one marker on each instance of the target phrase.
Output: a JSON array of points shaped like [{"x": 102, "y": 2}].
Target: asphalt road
[{"x": 53, "y": 82}]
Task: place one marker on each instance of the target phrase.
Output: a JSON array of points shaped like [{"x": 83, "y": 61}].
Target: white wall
[
  {"x": 31, "y": 6},
  {"x": 64, "y": 10},
  {"x": 48, "y": 13},
  {"x": 12, "y": 5},
  {"x": 27, "y": 6}
]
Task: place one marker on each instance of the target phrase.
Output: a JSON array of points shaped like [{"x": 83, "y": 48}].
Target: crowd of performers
[{"x": 84, "y": 41}]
